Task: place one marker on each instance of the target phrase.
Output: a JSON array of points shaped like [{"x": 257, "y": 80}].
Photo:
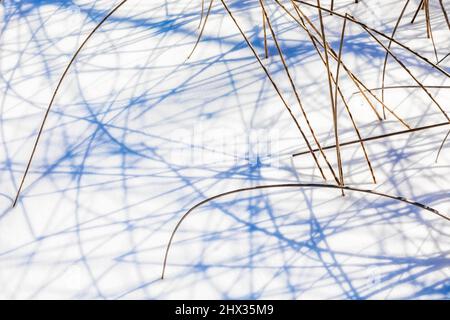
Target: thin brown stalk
[
  {"x": 202, "y": 30},
  {"x": 338, "y": 68},
  {"x": 333, "y": 106},
  {"x": 383, "y": 76},
  {"x": 429, "y": 29},
  {"x": 445, "y": 57},
  {"x": 314, "y": 42},
  {"x": 291, "y": 185},
  {"x": 201, "y": 14},
  {"x": 382, "y": 103},
  {"x": 314, "y": 39},
  {"x": 360, "y": 139},
  {"x": 386, "y": 135},
  {"x": 288, "y": 108},
  {"x": 363, "y": 93},
  {"x": 297, "y": 95},
  {"x": 358, "y": 83},
  {"x": 266, "y": 48},
  {"x": 408, "y": 71},
  {"x": 417, "y": 11},
  {"x": 442, "y": 146},
  {"x": 351, "y": 74},
  {"x": 333, "y": 54},
  {"x": 444, "y": 12},
  {"x": 405, "y": 87},
  {"x": 47, "y": 112},
  {"x": 353, "y": 77},
  {"x": 427, "y": 17},
  {"x": 354, "y": 20}
]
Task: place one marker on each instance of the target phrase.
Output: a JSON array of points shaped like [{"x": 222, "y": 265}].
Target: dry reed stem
[
  {"x": 338, "y": 68},
  {"x": 444, "y": 12},
  {"x": 294, "y": 89},
  {"x": 383, "y": 75},
  {"x": 47, "y": 112},
  {"x": 314, "y": 39},
  {"x": 202, "y": 30},
  {"x": 386, "y": 135},
  {"x": 405, "y": 87},
  {"x": 429, "y": 29},
  {"x": 445, "y": 57},
  {"x": 354, "y": 20},
  {"x": 333, "y": 106},
  {"x": 275, "y": 87},
  {"x": 417, "y": 11},
  {"x": 290, "y": 185},
  {"x": 442, "y": 146},
  {"x": 302, "y": 24},
  {"x": 427, "y": 17},
  {"x": 358, "y": 83},
  {"x": 266, "y": 48},
  {"x": 408, "y": 71},
  {"x": 201, "y": 15}
]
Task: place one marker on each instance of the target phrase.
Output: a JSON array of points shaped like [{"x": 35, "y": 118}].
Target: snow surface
[{"x": 138, "y": 135}]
